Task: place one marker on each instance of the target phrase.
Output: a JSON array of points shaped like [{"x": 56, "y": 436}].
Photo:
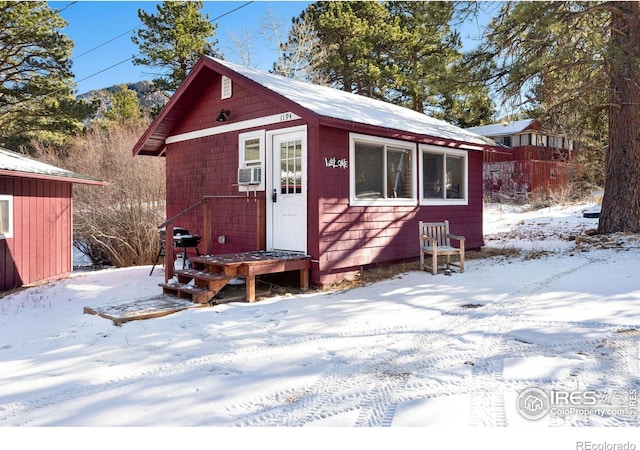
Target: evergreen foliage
[
  {"x": 36, "y": 82},
  {"x": 405, "y": 53},
  {"x": 173, "y": 40},
  {"x": 578, "y": 65}
]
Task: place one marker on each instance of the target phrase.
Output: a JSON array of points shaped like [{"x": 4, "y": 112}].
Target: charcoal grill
[{"x": 181, "y": 240}]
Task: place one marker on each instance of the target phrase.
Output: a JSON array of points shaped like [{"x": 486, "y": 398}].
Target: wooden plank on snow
[{"x": 139, "y": 309}]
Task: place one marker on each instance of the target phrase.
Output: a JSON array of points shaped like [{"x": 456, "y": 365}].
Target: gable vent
[{"x": 226, "y": 88}]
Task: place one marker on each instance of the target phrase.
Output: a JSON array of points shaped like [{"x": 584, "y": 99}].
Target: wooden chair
[{"x": 435, "y": 240}]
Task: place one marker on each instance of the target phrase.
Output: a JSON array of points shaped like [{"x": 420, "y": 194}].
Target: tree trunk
[{"x": 621, "y": 202}]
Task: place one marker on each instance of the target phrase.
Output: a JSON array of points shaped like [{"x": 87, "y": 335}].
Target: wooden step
[
  {"x": 224, "y": 264},
  {"x": 190, "y": 274},
  {"x": 182, "y": 290},
  {"x": 203, "y": 279}
]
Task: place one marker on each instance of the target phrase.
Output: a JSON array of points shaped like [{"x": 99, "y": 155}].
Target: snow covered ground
[{"x": 546, "y": 338}]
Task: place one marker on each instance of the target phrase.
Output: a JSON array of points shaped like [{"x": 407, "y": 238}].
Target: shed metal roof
[{"x": 17, "y": 164}]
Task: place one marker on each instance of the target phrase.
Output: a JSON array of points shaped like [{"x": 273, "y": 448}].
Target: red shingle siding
[
  {"x": 41, "y": 247},
  {"x": 354, "y": 236},
  {"x": 340, "y": 237},
  {"x": 243, "y": 105},
  {"x": 201, "y": 167},
  {"x": 208, "y": 166}
]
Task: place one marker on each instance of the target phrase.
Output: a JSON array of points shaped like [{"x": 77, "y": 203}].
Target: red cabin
[
  {"x": 36, "y": 239},
  {"x": 529, "y": 162},
  {"x": 291, "y": 166}
]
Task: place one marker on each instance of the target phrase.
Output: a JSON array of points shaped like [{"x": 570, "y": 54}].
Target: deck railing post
[
  {"x": 207, "y": 223},
  {"x": 261, "y": 225},
  {"x": 168, "y": 251},
  {"x": 206, "y": 227}
]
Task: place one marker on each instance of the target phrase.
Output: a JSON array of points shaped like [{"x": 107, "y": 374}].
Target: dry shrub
[{"x": 115, "y": 224}]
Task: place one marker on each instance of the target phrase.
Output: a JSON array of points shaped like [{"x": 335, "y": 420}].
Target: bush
[{"x": 115, "y": 224}]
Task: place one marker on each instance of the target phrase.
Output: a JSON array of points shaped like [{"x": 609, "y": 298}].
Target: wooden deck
[{"x": 211, "y": 273}]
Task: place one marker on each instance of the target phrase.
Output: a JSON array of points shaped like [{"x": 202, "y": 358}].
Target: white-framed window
[
  {"x": 6, "y": 216},
  {"x": 444, "y": 176},
  {"x": 251, "y": 147},
  {"x": 382, "y": 171}
]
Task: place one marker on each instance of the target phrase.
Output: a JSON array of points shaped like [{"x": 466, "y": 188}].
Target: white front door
[{"x": 287, "y": 226}]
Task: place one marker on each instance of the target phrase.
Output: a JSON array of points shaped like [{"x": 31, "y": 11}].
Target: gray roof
[
  {"x": 16, "y": 164},
  {"x": 336, "y": 104}
]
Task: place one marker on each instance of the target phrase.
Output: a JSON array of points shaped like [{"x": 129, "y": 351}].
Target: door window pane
[{"x": 291, "y": 167}]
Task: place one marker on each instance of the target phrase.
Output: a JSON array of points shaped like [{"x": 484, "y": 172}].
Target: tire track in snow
[
  {"x": 488, "y": 408},
  {"x": 371, "y": 390},
  {"x": 222, "y": 363}
]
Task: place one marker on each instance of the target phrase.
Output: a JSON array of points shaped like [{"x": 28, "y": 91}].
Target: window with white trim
[
  {"x": 6, "y": 216},
  {"x": 382, "y": 171},
  {"x": 444, "y": 176},
  {"x": 251, "y": 148}
]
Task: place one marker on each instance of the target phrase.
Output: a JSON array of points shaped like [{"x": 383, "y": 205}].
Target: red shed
[
  {"x": 36, "y": 241},
  {"x": 288, "y": 165}
]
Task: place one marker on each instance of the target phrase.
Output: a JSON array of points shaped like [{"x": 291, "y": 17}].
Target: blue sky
[
  {"x": 93, "y": 23},
  {"x": 102, "y": 30}
]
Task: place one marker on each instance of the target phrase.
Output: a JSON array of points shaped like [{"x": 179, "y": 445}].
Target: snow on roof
[
  {"x": 15, "y": 162},
  {"x": 501, "y": 129},
  {"x": 336, "y": 104}
]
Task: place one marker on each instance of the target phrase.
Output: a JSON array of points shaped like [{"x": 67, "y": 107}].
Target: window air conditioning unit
[{"x": 249, "y": 176}]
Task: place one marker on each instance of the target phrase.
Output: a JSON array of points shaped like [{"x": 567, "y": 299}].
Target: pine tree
[
  {"x": 355, "y": 37},
  {"x": 125, "y": 105},
  {"x": 621, "y": 202},
  {"x": 430, "y": 76},
  {"x": 36, "y": 82},
  {"x": 578, "y": 60},
  {"x": 173, "y": 40},
  {"x": 401, "y": 52}
]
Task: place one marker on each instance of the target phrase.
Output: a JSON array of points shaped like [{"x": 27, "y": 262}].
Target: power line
[
  {"x": 134, "y": 56},
  {"x": 133, "y": 29},
  {"x": 104, "y": 43},
  {"x": 105, "y": 69}
]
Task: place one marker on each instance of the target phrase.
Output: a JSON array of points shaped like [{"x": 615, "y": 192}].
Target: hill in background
[{"x": 150, "y": 101}]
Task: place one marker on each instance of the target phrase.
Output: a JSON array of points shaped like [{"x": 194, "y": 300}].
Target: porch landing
[{"x": 211, "y": 273}]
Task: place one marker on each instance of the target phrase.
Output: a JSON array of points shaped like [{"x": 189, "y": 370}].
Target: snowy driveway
[{"x": 417, "y": 350}]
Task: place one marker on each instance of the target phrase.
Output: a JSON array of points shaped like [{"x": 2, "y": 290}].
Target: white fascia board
[{"x": 237, "y": 126}]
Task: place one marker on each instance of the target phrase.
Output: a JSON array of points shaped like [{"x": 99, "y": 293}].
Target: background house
[
  {"x": 529, "y": 162},
  {"x": 36, "y": 241},
  {"x": 288, "y": 165}
]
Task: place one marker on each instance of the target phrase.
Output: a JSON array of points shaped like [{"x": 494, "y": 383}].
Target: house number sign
[
  {"x": 336, "y": 163},
  {"x": 285, "y": 117}
]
